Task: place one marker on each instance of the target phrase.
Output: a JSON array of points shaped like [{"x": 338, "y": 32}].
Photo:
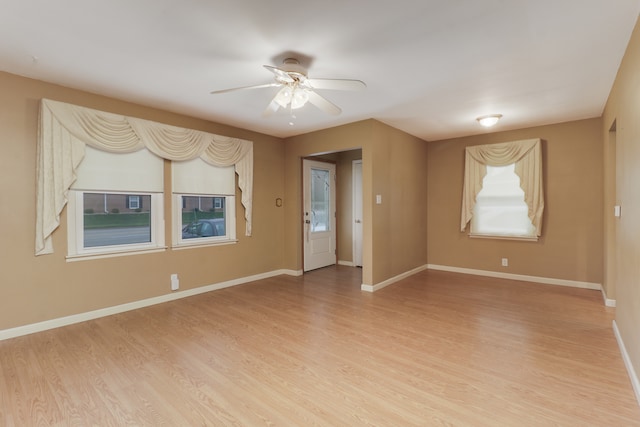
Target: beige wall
[
  {"x": 341, "y": 138},
  {"x": 402, "y": 233},
  {"x": 47, "y": 287},
  {"x": 622, "y": 160},
  {"x": 394, "y": 233},
  {"x": 571, "y": 245},
  {"x": 395, "y": 165},
  {"x": 34, "y": 289},
  {"x": 398, "y": 172}
]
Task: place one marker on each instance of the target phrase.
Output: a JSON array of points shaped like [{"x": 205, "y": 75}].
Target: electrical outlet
[
  {"x": 175, "y": 282},
  {"x": 505, "y": 262}
]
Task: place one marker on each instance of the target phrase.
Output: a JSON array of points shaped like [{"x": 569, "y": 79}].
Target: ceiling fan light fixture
[
  {"x": 295, "y": 96},
  {"x": 283, "y": 97},
  {"x": 299, "y": 98},
  {"x": 489, "y": 120}
]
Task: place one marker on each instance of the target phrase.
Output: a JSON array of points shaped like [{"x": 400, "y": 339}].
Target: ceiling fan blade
[
  {"x": 336, "y": 84},
  {"x": 323, "y": 103},
  {"x": 281, "y": 75},
  {"x": 215, "y": 92}
]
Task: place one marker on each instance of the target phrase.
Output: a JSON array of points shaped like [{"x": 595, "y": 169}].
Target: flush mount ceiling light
[{"x": 489, "y": 120}]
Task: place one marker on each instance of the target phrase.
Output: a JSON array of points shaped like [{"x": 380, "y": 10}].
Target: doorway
[
  {"x": 357, "y": 212},
  {"x": 319, "y": 214}
]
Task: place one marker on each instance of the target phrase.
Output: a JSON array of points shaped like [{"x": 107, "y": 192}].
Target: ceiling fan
[{"x": 296, "y": 89}]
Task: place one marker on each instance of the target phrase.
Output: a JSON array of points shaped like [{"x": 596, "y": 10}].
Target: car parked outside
[{"x": 204, "y": 228}]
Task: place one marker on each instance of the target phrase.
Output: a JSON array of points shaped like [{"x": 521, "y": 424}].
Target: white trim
[
  {"x": 377, "y": 287},
  {"x": 205, "y": 245},
  {"x": 75, "y": 229},
  {"x": 535, "y": 279},
  {"x": 608, "y": 302},
  {"x": 75, "y": 258},
  {"x": 291, "y": 272},
  {"x": 347, "y": 263},
  {"x": 108, "y": 311},
  {"x": 356, "y": 202},
  {"x": 635, "y": 383},
  {"x": 503, "y": 237},
  {"x": 178, "y": 242}
]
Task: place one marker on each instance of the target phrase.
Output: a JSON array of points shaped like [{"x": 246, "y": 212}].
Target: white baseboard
[
  {"x": 108, "y": 311},
  {"x": 377, "y": 287},
  {"x": 635, "y": 383},
  {"x": 347, "y": 263},
  {"x": 289, "y": 272},
  {"x": 607, "y": 301},
  {"x": 536, "y": 279}
]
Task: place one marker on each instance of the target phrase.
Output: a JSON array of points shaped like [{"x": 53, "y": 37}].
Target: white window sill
[
  {"x": 181, "y": 246},
  {"x": 499, "y": 237},
  {"x": 89, "y": 256}
]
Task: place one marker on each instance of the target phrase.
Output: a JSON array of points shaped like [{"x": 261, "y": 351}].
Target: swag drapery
[
  {"x": 65, "y": 129},
  {"x": 527, "y": 156}
]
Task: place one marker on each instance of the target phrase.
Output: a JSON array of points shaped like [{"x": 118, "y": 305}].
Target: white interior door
[
  {"x": 357, "y": 213},
  {"x": 319, "y": 214}
]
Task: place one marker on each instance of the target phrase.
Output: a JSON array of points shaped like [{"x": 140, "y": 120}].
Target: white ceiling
[{"x": 431, "y": 66}]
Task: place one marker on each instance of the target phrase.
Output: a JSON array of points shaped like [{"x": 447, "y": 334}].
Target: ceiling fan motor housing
[{"x": 292, "y": 66}]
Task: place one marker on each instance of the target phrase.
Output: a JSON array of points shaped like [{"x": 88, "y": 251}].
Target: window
[
  {"x": 320, "y": 200},
  {"x": 133, "y": 202},
  {"x": 104, "y": 222},
  {"x": 204, "y": 204},
  {"x": 500, "y": 209},
  {"x": 200, "y": 221},
  {"x": 502, "y": 194},
  {"x": 115, "y": 204},
  {"x": 65, "y": 130}
]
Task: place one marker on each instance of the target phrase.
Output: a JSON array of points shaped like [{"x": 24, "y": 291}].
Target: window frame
[
  {"x": 230, "y": 223},
  {"x": 505, "y": 236},
  {"x": 75, "y": 228},
  {"x": 527, "y": 156}
]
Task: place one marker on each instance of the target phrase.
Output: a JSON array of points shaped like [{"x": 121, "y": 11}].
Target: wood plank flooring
[{"x": 435, "y": 349}]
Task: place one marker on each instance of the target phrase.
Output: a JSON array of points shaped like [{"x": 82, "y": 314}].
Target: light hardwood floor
[{"x": 435, "y": 349}]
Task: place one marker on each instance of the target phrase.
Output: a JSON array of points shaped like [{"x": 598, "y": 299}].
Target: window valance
[
  {"x": 65, "y": 129},
  {"x": 527, "y": 156}
]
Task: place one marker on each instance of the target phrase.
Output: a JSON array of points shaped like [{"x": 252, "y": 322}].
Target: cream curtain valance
[
  {"x": 527, "y": 156},
  {"x": 65, "y": 129}
]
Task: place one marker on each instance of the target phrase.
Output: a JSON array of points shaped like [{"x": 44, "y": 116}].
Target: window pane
[
  {"x": 203, "y": 217},
  {"x": 109, "y": 219},
  {"x": 500, "y": 208},
  {"x": 320, "y": 200},
  {"x": 134, "y": 202}
]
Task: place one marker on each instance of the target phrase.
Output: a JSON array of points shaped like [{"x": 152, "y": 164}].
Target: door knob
[{"x": 358, "y": 221}]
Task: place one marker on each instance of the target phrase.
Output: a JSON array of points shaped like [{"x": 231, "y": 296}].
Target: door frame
[
  {"x": 335, "y": 209},
  {"x": 357, "y": 191}
]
